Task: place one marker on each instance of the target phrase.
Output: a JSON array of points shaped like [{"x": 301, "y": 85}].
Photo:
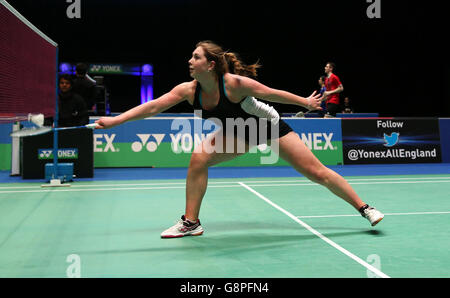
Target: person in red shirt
[{"x": 334, "y": 87}]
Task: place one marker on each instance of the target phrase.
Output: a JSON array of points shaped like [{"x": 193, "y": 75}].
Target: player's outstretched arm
[
  {"x": 148, "y": 109},
  {"x": 250, "y": 87}
]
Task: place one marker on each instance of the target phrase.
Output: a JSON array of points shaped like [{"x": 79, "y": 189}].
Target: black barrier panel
[
  {"x": 75, "y": 146},
  {"x": 390, "y": 141},
  {"x": 444, "y": 128}
]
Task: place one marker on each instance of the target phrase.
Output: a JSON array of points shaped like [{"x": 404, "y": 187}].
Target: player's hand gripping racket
[{"x": 33, "y": 131}]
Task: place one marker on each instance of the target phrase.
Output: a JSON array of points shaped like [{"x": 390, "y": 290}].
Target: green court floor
[{"x": 254, "y": 228}]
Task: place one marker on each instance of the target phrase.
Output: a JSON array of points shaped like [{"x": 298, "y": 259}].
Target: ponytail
[
  {"x": 236, "y": 66},
  {"x": 227, "y": 61}
]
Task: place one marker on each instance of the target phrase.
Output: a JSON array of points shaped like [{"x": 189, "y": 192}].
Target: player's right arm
[
  {"x": 339, "y": 89},
  {"x": 178, "y": 94}
]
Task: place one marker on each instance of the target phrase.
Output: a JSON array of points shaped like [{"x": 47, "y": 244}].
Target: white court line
[
  {"x": 112, "y": 187},
  {"x": 390, "y": 214},
  {"x": 303, "y": 181},
  {"x": 144, "y": 184},
  {"x": 105, "y": 189},
  {"x": 356, "y": 183},
  {"x": 309, "y": 228},
  {"x": 119, "y": 184},
  {"x": 402, "y": 178}
]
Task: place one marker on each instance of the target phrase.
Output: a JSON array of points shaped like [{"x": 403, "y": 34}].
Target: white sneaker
[
  {"x": 373, "y": 215},
  {"x": 182, "y": 228}
]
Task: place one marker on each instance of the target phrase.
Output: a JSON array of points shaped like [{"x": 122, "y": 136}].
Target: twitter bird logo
[{"x": 391, "y": 140}]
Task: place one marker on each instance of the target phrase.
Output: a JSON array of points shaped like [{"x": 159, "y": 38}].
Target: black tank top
[
  {"x": 224, "y": 109},
  {"x": 227, "y": 109}
]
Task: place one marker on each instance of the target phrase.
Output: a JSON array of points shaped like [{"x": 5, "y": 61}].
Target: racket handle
[{"x": 92, "y": 125}]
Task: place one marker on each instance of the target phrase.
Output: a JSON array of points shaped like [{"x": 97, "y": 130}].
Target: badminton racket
[{"x": 33, "y": 131}]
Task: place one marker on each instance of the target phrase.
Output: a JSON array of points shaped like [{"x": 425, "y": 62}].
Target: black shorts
[
  {"x": 332, "y": 109},
  {"x": 252, "y": 134}
]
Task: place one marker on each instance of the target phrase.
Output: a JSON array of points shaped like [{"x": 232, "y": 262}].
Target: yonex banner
[
  {"x": 385, "y": 141},
  {"x": 152, "y": 142},
  {"x": 169, "y": 142},
  {"x": 75, "y": 147},
  {"x": 63, "y": 153},
  {"x": 322, "y": 136},
  {"x": 114, "y": 69}
]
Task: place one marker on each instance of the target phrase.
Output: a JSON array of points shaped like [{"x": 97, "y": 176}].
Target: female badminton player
[{"x": 222, "y": 88}]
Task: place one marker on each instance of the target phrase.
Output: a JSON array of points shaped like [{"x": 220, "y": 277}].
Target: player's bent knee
[
  {"x": 198, "y": 160},
  {"x": 320, "y": 176}
]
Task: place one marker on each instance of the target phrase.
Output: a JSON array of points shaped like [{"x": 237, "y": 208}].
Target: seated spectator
[{"x": 347, "y": 109}]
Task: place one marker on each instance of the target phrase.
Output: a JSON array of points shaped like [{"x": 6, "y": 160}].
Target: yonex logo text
[
  {"x": 318, "y": 141},
  {"x": 109, "y": 143},
  {"x": 66, "y": 153}
]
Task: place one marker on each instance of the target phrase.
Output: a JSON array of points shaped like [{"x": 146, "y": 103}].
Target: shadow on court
[{"x": 220, "y": 244}]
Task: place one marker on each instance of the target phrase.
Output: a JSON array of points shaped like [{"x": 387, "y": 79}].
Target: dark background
[{"x": 395, "y": 65}]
